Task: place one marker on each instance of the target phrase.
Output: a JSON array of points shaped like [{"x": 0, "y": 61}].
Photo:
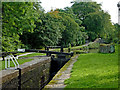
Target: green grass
[
  {"x": 20, "y": 61},
  {"x": 94, "y": 70},
  {"x": 20, "y": 53},
  {"x": 34, "y": 54}
]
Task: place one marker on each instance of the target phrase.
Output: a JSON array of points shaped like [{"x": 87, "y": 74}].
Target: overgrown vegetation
[
  {"x": 26, "y": 25},
  {"x": 95, "y": 70}
]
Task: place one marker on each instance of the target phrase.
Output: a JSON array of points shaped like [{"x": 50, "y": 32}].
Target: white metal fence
[{"x": 14, "y": 60}]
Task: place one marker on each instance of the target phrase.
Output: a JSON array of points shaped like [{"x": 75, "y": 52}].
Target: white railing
[{"x": 14, "y": 60}]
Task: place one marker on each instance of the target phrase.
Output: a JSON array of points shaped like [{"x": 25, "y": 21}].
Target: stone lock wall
[{"x": 35, "y": 74}]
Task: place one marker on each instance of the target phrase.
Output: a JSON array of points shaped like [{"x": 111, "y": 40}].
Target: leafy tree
[
  {"x": 73, "y": 32},
  {"x": 69, "y": 34},
  {"x": 58, "y": 27},
  {"x": 81, "y": 9},
  {"x": 46, "y": 33},
  {"x": 50, "y": 30},
  {"x": 116, "y": 38},
  {"x": 27, "y": 23},
  {"x": 16, "y": 18},
  {"x": 96, "y": 22}
]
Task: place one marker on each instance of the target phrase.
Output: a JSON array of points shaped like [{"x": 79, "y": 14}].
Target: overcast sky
[{"x": 108, "y": 5}]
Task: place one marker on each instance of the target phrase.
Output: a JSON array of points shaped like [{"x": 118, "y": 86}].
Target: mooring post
[{"x": 19, "y": 79}]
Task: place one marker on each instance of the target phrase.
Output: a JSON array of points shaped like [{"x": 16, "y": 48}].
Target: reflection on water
[{"x": 93, "y": 50}]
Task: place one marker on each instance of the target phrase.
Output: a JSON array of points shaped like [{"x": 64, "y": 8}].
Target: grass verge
[
  {"x": 94, "y": 70},
  {"x": 34, "y": 54}
]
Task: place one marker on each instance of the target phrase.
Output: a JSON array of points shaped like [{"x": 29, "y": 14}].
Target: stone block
[{"x": 106, "y": 48}]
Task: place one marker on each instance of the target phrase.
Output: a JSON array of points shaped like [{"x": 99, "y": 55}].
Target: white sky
[{"x": 108, "y": 5}]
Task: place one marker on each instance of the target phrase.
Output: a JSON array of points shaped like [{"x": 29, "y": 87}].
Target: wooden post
[
  {"x": 47, "y": 54},
  {"x": 61, "y": 49},
  {"x": 45, "y": 48},
  {"x": 19, "y": 79},
  {"x": 68, "y": 49}
]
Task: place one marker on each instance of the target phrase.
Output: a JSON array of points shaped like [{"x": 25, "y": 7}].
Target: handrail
[
  {"x": 50, "y": 52},
  {"x": 53, "y": 46},
  {"x": 14, "y": 60}
]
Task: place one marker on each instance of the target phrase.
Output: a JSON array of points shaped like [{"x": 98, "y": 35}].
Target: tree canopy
[
  {"x": 26, "y": 25},
  {"x": 97, "y": 22}
]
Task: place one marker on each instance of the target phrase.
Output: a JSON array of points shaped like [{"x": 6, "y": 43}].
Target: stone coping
[
  {"x": 62, "y": 75},
  {"x": 7, "y": 75}
]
